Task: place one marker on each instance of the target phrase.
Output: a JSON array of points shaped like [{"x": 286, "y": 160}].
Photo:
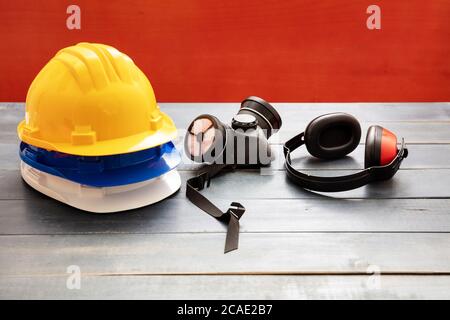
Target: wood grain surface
[{"x": 294, "y": 244}]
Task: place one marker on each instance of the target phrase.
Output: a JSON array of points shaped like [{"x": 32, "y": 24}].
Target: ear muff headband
[{"x": 341, "y": 183}]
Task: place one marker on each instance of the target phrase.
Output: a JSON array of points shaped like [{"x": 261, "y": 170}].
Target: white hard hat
[{"x": 102, "y": 199}]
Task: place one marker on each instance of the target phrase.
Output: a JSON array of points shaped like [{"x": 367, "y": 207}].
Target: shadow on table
[
  {"x": 42, "y": 212},
  {"x": 323, "y": 168}
]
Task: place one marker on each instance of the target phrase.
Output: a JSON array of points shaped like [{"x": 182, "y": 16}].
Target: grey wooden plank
[
  {"x": 418, "y": 128},
  {"x": 11, "y": 115},
  {"x": 421, "y": 156},
  {"x": 259, "y": 253},
  {"x": 429, "y": 183},
  {"x": 436, "y": 156},
  {"x": 296, "y": 113},
  {"x": 413, "y": 132},
  {"x": 9, "y": 156},
  {"x": 228, "y": 287},
  {"x": 184, "y": 112},
  {"x": 48, "y": 216},
  {"x": 272, "y": 184}
]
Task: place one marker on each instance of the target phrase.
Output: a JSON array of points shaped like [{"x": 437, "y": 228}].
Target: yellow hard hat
[{"x": 92, "y": 100}]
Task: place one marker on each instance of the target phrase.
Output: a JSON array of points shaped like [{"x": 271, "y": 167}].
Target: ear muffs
[
  {"x": 335, "y": 135},
  {"x": 381, "y": 147},
  {"x": 332, "y": 135}
]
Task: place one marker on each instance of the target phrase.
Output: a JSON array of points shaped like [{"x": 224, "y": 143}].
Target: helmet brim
[
  {"x": 146, "y": 140},
  {"x": 105, "y": 171},
  {"x": 106, "y": 199}
]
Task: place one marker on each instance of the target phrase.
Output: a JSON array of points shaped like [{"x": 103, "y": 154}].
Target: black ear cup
[
  {"x": 332, "y": 135},
  {"x": 372, "y": 154},
  {"x": 266, "y": 115}
]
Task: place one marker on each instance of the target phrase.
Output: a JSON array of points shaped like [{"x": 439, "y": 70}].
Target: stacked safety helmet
[{"x": 93, "y": 136}]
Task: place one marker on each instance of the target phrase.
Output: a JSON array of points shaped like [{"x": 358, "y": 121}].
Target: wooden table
[{"x": 386, "y": 240}]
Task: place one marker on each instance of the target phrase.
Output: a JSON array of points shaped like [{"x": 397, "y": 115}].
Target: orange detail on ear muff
[{"x": 388, "y": 147}]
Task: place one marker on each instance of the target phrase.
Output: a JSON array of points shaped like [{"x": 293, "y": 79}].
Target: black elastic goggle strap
[
  {"x": 231, "y": 216},
  {"x": 341, "y": 183}
]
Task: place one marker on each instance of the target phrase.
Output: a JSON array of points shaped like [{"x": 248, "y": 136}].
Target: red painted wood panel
[{"x": 203, "y": 50}]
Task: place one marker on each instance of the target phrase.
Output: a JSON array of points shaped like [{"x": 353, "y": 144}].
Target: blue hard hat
[{"x": 104, "y": 171}]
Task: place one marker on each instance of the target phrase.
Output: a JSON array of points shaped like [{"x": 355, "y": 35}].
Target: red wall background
[{"x": 203, "y": 50}]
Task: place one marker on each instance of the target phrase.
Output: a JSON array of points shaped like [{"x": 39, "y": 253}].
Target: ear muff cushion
[
  {"x": 381, "y": 147},
  {"x": 373, "y": 147},
  {"x": 332, "y": 135}
]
